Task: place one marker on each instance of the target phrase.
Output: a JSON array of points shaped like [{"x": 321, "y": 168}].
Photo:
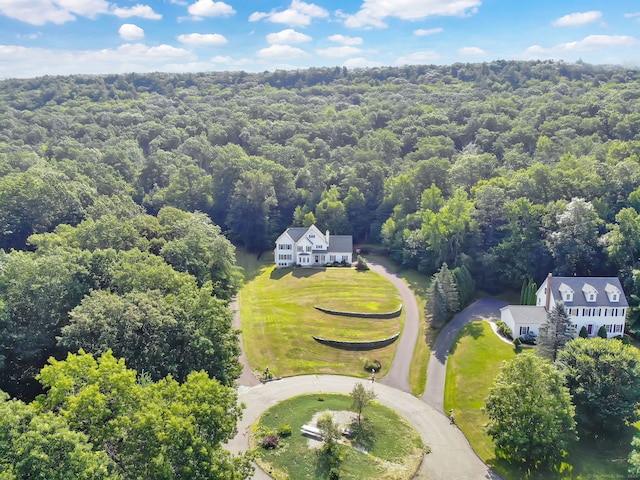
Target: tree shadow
[
  {"x": 363, "y": 434},
  {"x": 474, "y": 330},
  {"x": 308, "y": 272}
]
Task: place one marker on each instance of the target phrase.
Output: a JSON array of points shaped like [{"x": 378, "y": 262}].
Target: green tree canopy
[
  {"x": 530, "y": 413},
  {"x": 602, "y": 377}
]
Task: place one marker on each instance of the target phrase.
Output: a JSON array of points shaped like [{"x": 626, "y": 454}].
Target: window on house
[
  {"x": 618, "y": 328},
  {"x": 624, "y": 312},
  {"x": 332, "y": 258},
  {"x": 312, "y": 235},
  {"x": 524, "y": 330},
  {"x": 591, "y": 297},
  {"x": 568, "y": 297},
  {"x": 614, "y": 312},
  {"x": 308, "y": 248},
  {"x": 609, "y": 328},
  {"x": 605, "y": 312},
  {"x": 300, "y": 248}
]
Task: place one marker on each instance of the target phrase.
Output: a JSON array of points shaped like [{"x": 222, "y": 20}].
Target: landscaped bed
[
  {"x": 395, "y": 452},
  {"x": 279, "y": 320}
]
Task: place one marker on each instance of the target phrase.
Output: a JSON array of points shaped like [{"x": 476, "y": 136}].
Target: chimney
[
  {"x": 548, "y": 291},
  {"x": 327, "y": 237}
]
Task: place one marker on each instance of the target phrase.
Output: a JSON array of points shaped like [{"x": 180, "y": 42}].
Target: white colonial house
[
  {"x": 309, "y": 246},
  {"x": 591, "y": 302}
]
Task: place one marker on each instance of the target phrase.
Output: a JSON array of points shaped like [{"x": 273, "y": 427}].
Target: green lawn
[
  {"x": 394, "y": 454},
  {"x": 279, "y": 319},
  {"x": 474, "y": 362}
]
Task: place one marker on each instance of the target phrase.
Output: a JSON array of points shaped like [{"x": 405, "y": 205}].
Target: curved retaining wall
[
  {"x": 371, "y": 345},
  {"x": 395, "y": 313}
]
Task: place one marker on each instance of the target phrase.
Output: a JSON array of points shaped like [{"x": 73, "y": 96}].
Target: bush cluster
[
  {"x": 270, "y": 442},
  {"x": 284, "y": 431},
  {"x": 374, "y": 365},
  {"x": 503, "y": 329}
]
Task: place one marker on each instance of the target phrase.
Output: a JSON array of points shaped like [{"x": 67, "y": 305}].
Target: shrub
[
  {"x": 270, "y": 442},
  {"x": 334, "y": 474},
  {"x": 602, "y": 332},
  {"x": 362, "y": 264},
  {"x": 372, "y": 365},
  {"x": 284, "y": 430},
  {"x": 321, "y": 398},
  {"x": 626, "y": 340},
  {"x": 583, "y": 332},
  {"x": 503, "y": 329},
  {"x": 517, "y": 342}
]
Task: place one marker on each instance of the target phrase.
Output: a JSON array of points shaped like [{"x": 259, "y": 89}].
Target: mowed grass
[
  {"x": 395, "y": 453},
  {"x": 279, "y": 319},
  {"x": 474, "y": 362}
]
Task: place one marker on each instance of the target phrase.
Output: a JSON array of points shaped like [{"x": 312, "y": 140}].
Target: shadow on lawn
[{"x": 474, "y": 330}]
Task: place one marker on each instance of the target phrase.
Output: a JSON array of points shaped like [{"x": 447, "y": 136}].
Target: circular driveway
[{"x": 451, "y": 456}]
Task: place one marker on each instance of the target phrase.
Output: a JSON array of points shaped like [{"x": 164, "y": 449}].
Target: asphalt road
[
  {"x": 398, "y": 375},
  {"x": 451, "y": 457},
  {"x": 482, "y": 309}
]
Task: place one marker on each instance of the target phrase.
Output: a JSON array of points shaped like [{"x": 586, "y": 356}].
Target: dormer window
[
  {"x": 590, "y": 293},
  {"x": 566, "y": 292},
  {"x": 312, "y": 235},
  {"x": 612, "y": 292}
]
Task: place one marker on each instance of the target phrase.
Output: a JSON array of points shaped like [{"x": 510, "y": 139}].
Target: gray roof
[
  {"x": 528, "y": 314},
  {"x": 599, "y": 283},
  {"x": 296, "y": 233},
  {"x": 341, "y": 243}
]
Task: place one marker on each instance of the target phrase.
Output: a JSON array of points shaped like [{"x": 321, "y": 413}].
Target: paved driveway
[
  {"x": 398, "y": 375},
  {"x": 451, "y": 457},
  {"x": 482, "y": 309}
]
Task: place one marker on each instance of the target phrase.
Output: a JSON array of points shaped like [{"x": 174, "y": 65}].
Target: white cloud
[
  {"x": 209, "y": 8},
  {"x": 471, "y": 51},
  {"x": 299, "y": 14},
  {"x": 285, "y": 52},
  {"x": 421, "y": 32},
  {"x": 129, "y": 31},
  {"x": 587, "y": 44},
  {"x": 18, "y": 61},
  {"x": 577, "y": 19},
  {"x": 635, "y": 15},
  {"x": 374, "y": 12},
  {"x": 343, "y": 51},
  {"x": 418, "y": 57},
  {"x": 30, "y": 36},
  {"x": 345, "y": 40},
  {"x": 360, "y": 62},
  {"x": 142, "y": 11},
  {"x": 287, "y": 37},
  {"x": 202, "y": 39},
  {"x": 40, "y": 12}
]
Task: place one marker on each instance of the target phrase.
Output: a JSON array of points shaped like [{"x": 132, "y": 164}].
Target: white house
[
  {"x": 591, "y": 302},
  {"x": 309, "y": 246}
]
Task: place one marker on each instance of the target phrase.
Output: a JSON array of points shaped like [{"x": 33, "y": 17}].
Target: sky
[{"x": 61, "y": 37}]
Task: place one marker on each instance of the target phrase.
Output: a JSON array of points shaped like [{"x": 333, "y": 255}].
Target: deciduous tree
[
  {"x": 602, "y": 377},
  {"x": 530, "y": 413}
]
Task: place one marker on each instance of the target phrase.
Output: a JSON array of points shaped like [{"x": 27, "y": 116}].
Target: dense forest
[{"x": 121, "y": 195}]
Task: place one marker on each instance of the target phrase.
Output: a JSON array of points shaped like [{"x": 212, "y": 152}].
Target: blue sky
[{"x": 51, "y": 37}]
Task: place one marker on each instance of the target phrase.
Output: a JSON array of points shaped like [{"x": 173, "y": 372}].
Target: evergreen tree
[
  {"x": 466, "y": 285},
  {"x": 602, "y": 332},
  {"x": 436, "y": 307},
  {"x": 555, "y": 333},
  {"x": 528, "y": 292},
  {"x": 450, "y": 289},
  {"x": 583, "y": 332}
]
